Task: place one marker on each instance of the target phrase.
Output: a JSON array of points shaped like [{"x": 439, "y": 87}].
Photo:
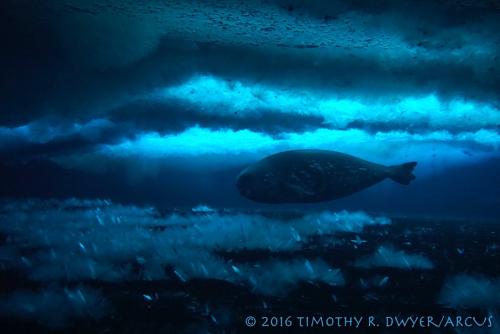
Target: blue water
[{"x": 124, "y": 124}]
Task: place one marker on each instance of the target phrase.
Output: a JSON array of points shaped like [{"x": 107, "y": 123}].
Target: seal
[{"x": 310, "y": 176}]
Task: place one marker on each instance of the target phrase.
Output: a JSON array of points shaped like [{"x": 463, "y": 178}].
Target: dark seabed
[
  {"x": 125, "y": 123},
  {"x": 96, "y": 266}
]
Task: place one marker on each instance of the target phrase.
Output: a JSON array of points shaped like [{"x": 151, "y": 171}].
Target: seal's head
[
  {"x": 257, "y": 185},
  {"x": 247, "y": 184}
]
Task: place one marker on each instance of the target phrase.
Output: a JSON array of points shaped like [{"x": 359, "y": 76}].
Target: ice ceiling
[{"x": 94, "y": 85}]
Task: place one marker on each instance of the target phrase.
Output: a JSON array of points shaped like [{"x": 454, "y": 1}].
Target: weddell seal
[{"x": 309, "y": 176}]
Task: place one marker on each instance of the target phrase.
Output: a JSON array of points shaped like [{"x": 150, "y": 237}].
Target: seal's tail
[{"x": 402, "y": 173}]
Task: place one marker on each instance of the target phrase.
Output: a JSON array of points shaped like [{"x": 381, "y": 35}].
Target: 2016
[{"x": 277, "y": 321}]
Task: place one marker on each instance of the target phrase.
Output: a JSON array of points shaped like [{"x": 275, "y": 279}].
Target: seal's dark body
[{"x": 306, "y": 176}]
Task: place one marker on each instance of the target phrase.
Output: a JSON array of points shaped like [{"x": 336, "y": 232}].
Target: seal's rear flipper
[{"x": 402, "y": 173}]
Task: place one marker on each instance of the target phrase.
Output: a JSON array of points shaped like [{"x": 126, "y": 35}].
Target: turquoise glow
[
  {"x": 201, "y": 141},
  {"x": 219, "y": 96},
  {"x": 42, "y": 132},
  {"x": 233, "y": 147},
  {"x": 194, "y": 141}
]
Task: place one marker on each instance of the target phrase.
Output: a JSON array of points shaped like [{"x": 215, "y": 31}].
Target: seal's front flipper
[{"x": 403, "y": 173}]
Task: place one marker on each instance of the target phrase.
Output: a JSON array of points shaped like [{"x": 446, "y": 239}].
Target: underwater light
[{"x": 220, "y": 96}]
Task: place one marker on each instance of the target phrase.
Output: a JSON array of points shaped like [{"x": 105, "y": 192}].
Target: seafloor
[{"x": 95, "y": 266}]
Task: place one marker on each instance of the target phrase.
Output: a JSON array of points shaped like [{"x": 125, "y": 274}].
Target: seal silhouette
[{"x": 309, "y": 176}]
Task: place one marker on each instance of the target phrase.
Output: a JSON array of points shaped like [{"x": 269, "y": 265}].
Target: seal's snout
[{"x": 244, "y": 183}]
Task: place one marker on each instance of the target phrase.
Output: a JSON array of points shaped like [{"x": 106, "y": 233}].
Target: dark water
[{"x": 124, "y": 124}]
